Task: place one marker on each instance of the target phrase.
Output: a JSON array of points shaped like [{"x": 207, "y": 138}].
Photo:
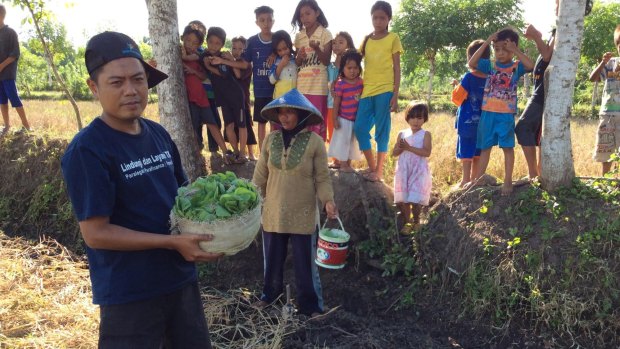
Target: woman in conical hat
[{"x": 291, "y": 174}]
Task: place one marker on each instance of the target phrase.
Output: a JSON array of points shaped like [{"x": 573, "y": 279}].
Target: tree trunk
[
  {"x": 526, "y": 85},
  {"x": 557, "y": 159},
  {"x": 50, "y": 60},
  {"x": 431, "y": 75},
  {"x": 173, "y": 108}
]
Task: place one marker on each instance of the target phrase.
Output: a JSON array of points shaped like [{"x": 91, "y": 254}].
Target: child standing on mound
[
  {"x": 467, "y": 95},
  {"x": 412, "y": 179},
  {"x": 283, "y": 72},
  {"x": 314, "y": 50},
  {"x": 381, "y": 50},
  {"x": 348, "y": 89},
  {"x": 341, "y": 43},
  {"x": 608, "y": 135}
]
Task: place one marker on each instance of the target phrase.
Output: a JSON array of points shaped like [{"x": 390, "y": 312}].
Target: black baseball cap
[{"x": 108, "y": 46}]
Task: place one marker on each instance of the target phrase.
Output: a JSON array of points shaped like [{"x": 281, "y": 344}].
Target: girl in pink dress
[{"x": 412, "y": 180}]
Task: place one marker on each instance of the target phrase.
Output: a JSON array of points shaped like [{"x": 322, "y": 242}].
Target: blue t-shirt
[
  {"x": 257, "y": 51},
  {"x": 133, "y": 180},
  {"x": 468, "y": 114},
  {"x": 500, "y": 93}
]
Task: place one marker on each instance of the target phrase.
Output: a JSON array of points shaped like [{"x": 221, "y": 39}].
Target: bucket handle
[{"x": 339, "y": 221}]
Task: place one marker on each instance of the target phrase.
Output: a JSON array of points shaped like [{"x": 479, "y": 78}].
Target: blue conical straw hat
[{"x": 292, "y": 99}]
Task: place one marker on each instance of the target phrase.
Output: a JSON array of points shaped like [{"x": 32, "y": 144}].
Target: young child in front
[
  {"x": 348, "y": 90},
  {"x": 283, "y": 72},
  {"x": 467, "y": 95},
  {"x": 341, "y": 43},
  {"x": 258, "y": 53},
  {"x": 199, "y": 107},
  {"x": 412, "y": 177},
  {"x": 228, "y": 91},
  {"x": 608, "y": 135},
  {"x": 314, "y": 51},
  {"x": 499, "y": 105},
  {"x": 381, "y": 50},
  {"x": 245, "y": 79}
]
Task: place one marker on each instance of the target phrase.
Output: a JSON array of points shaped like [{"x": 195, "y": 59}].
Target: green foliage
[
  {"x": 33, "y": 72},
  {"x": 398, "y": 256},
  {"x": 440, "y": 30},
  {"x": 598, "y": 32},
  {"x": 217, "y": 196}
]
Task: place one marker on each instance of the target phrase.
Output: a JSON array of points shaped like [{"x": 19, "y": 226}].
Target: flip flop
[{"x": 334, "y": 166}]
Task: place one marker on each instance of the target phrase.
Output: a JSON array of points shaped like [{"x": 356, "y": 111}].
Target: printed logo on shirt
[{"x": 147, "y": 164}]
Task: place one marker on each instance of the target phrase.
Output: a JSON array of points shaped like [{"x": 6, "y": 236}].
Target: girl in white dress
[{"x": 412, "y": 179}]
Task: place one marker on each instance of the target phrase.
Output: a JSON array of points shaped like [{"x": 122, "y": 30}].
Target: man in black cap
[{"x": 122, "y": 173}]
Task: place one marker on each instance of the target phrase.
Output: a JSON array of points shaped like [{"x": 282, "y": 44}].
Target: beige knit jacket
[{"x": 290, "y": 182}]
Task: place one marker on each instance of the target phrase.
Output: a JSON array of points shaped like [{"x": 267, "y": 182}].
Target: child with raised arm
[
  {"x": 348, "y": 90},
  {"x": 228, "y": 91},
  {"x": 499, "y": 105},
  {"x": 529, "y": 126},
  {"x": 258, "y": 53},
  {"x": 381, "y": 50},
  {"x": 199, "y": 106},
  {"x": 467, "y": 95},
  {"x": 608, "y": 135},
  {"x": 314, "y": 50},
  {"x": 412, "y": 179}
]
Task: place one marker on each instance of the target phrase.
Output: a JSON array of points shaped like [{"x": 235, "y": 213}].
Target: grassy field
[{"x": 57, "y": 118}]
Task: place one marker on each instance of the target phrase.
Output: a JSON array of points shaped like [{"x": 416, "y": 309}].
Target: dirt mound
[
  {"x": 33, "y": 198},
  {"x": 545, "y": 262}
]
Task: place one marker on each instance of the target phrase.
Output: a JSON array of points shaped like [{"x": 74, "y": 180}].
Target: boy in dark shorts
[
  {"x": 259, "y": 53},
  {"x": 228, "y": 91}
]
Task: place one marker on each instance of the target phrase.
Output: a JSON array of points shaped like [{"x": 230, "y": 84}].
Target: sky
[{"x": 85, "y": 18}]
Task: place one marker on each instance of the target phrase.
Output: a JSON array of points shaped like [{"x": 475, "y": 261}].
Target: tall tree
[
  {"x": 38, "y": 14},
  {"x": 173, "y": 108},
  {"x": 431, "y": 27},
  {"x": 557, "y": 155}
]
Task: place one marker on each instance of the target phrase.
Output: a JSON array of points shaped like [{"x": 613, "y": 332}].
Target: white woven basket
[{"x": 229, "y": 235}]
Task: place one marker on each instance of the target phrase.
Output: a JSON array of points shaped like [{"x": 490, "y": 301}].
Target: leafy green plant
[{"x": 217, "y": 196}]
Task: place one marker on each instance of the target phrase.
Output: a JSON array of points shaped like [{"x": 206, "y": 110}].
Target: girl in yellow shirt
[{"x": 381, "y": 50}]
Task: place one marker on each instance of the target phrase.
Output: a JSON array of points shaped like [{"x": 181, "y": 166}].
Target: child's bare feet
[{"x": 507, "y": 189}]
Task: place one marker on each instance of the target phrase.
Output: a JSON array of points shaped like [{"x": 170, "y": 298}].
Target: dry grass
[
  {"x": 46, "y": 298},
  {"x": 57, "y": 118},
  {"x": 47, "y": 303}
]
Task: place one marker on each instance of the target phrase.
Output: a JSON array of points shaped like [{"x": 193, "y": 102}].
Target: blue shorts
[
  {"x": 8, "y": 91},
  {"x": 466, "y": 148},
  {"x": 374, "y": 111},
  {"x": 496, "y": 129}
]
